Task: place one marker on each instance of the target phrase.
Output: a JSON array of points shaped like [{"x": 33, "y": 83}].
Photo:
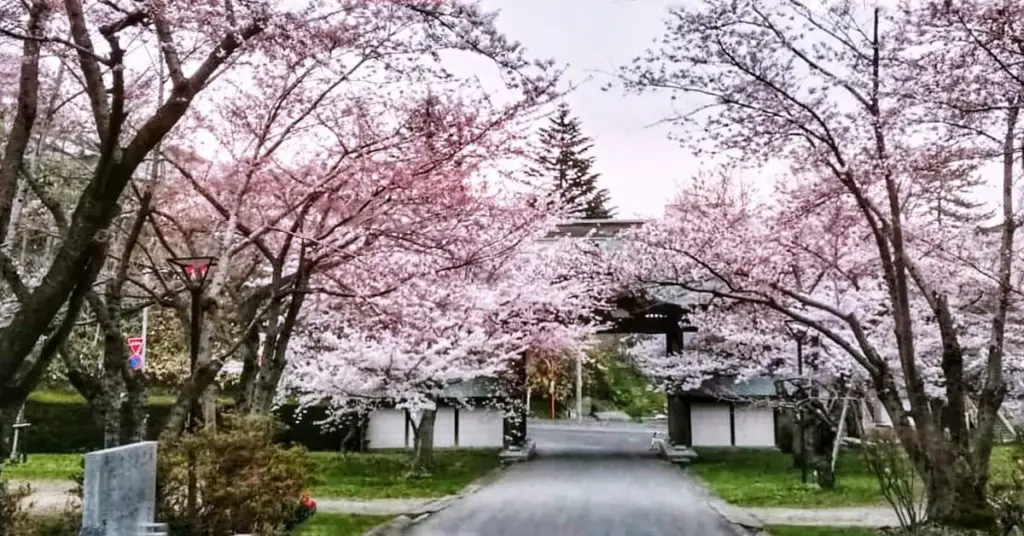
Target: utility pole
[
  {"x": 579, "y": 387},
  {"x": 145, "y": 333}
]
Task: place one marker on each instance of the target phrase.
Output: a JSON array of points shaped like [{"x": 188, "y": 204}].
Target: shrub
[
  {"x": 63, "y": 423},
  {"x": 245, "y": 481},
  {"x": 884, "y": 456},
  {"x": 1007, "y": 497},
  {"x": 13, "y": 516},
  {"x": 68, "y": 522}
]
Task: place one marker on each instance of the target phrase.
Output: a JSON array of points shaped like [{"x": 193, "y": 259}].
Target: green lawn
[
  {"x": 763, "y": 477},
  {"x": 766, "y": 477},
  {"x": 45, "y": 467},
  {"x": 339, "y": 525},
  {"x": 379, "y": 475},
  {"x": 372, "y": 475},
  {"x": 798, "y": 530}
]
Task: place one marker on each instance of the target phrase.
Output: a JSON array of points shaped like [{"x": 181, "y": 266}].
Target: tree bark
[
  {"x": 957, "y": 495},
  {"x": 423, "y": 455},
  {"x": 262, "y": 374},
  {"x": 75, "y": 266},
  {"x": 134, "y": 417}
]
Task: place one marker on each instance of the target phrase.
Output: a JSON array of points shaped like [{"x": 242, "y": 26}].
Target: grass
[
  {"x": 763, "y": 477},
  {"x": 374, "y": 475},
  {"x": 767, "y": 478},
  {"x": 799, "y": 530},
  {"x": 45, "y": 467},
  {"x": 379, "y": 475},
  {"x": 338, "y": 525},
  {"x": 73, "y": 397}
]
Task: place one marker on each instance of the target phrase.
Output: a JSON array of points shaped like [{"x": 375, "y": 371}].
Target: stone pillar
[{"x": 120, "y": 490}]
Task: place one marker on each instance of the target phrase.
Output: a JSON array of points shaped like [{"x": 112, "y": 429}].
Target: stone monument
[{"x": 120, "y": 490}]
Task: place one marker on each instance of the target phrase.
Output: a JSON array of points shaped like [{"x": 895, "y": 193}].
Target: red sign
[
  {"x": 135, "y": 345},
  {"x": 196, "y": 271}
]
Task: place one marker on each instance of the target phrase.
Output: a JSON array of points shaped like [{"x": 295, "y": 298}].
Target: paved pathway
[
  {"x": 49, "y": 495},
  {"x": 375, "y": 507},
  {"x": 584, "y": 483},
  {"x": 863, "y": 516}
]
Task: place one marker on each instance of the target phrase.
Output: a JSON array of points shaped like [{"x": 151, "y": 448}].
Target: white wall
[
  {"x": 444, "y": 428},
  {"x": 481, "y": 427},
  {"x": 478, "y": 427},
  {"x": 709, "y": 423},
  {"x": 755, "y": 426},
  {"x": 386, "y": 429}
]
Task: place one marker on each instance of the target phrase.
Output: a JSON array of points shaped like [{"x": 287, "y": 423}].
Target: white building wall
[
  {"x": 709, "y": 423},
  {"x": 386, "y": 429},
  {"x": 481, "y": 427},
  {"x": 478, "y": 428},
  {"x": 444, "y": 428},
  {"x": 755, "y": 426}
]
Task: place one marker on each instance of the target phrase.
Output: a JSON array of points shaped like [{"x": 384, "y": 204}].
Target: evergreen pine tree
[
  {"x": 947, "y": 198},
  {"x": 562, "y": 159}
]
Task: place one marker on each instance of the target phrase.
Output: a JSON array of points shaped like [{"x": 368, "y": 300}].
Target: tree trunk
[
  {"x": 260, "y": 388},
  {"x": 208, "y": 407},
  {"x": 955, "y": 478},
  {"x": 112, "y": 388},
  {"x": 957, "y": 496},
  {"x": 192, "y": 391},
  {"x": 423, "y": 456},
  {"x": 134, "y": 417}
]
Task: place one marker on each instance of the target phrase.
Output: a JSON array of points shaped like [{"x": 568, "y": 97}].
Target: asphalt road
[{"x": 586, "y": 481}]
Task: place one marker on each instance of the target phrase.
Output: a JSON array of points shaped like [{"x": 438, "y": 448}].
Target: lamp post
[
  {"x": 194, "y": 271},
  {"x": 799, "y": 334}
]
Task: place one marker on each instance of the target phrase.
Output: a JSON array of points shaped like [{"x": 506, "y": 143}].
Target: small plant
[
  {"x": 824, "y": 476},
  {"x": 304, "y": 511},
  {"x": 246, "y": 483},
  {"x": 884, "y": 456}
]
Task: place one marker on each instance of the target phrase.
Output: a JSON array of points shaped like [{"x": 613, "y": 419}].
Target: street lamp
[
  {"x": 799, "y": 334},
  {"x": 194, "y": 271}
]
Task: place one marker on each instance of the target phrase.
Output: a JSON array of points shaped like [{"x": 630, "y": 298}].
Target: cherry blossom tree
[
  {"x": 407, "y": 346},
  {"x": 202, "y": 56},
  {"x": 356, "y": 204},
  {"x": 857, "y": 105}
]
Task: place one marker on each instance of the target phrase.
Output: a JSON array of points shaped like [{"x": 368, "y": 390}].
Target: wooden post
[{"x": 679, "y": 425}]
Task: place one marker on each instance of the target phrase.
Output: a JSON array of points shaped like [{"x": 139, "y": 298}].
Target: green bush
[
  {"x": 13, "y": 517},
  {"x": 245, "y": 482},
  {"x": 63, "y": 423}
]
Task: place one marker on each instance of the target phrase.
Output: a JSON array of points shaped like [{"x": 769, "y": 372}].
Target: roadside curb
[
  {"x": 742, "y": 522},
  {"x": 397, "y": 525},
  {"x": 736, "y": 517}
]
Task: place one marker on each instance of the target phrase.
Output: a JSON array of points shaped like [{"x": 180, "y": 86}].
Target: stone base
[
  {"x": 518, "y": 454},
  {"x": 679, "y": 455}
]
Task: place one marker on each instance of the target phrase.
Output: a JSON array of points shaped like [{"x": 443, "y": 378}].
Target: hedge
[{"x": 63, "y": 423}]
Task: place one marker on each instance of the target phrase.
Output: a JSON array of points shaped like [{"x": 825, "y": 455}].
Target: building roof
[
  {"x": 475, "y": 388},
  {"x": 730, "y": 387},
  {"x": 593, "y": 228}
]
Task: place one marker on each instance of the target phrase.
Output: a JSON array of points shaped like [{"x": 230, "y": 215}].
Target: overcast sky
[{"x": 638, "y": 164}]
